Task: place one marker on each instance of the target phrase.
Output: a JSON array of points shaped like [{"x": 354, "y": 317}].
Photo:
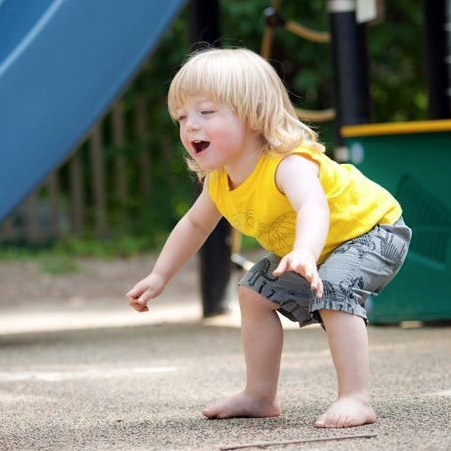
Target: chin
[{"x": 208, "y": 166}]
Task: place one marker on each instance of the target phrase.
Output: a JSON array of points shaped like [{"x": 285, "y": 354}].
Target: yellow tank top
[{"x": 257, "y": 208}]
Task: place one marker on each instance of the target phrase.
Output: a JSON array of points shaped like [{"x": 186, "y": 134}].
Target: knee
[
  {"x": 251, "y": 299},
  {"x": 332, "y": 319}
]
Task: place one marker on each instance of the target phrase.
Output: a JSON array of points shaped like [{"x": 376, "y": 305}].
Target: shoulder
[
  {"x": 297, "y": 162},
  {"x": 298, "y": 178},
  {"x": 295, "y": 166}
]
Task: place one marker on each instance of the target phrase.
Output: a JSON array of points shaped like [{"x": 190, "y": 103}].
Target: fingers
[
  {"x": 312, "y": 277},
  {"x": 138, "y": 304},
  {"x": 138, "y": 298},
  {"x": 281, "y": 268},
  {"x": 310, "y": 274},
  {"x": 145, "y": 290},
  {"x": 317, "y": 286},
  {"x": 134, "y": 293},
  {"x": 301, "y": 268},
  {"x": 139, "y": 307}
]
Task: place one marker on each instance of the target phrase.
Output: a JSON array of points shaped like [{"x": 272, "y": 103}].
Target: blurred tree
[
  {"x": 397, "y": 88},
  {"x": 397, "y": 81},
  {"x": 398, "y": 84}
]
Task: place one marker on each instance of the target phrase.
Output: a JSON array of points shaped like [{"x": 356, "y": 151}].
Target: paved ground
[{"x": 80, "y": 371}]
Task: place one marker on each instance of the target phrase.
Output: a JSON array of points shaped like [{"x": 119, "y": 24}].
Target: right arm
[{"x": 185, "y": 240}]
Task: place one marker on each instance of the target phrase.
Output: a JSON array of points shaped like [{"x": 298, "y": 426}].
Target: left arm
[{"x": 298, "y": 179}]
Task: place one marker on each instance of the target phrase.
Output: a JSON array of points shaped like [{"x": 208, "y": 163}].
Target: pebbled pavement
[{"x": 98, "y": 376}]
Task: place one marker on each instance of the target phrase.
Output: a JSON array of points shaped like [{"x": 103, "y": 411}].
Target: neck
[{"x": 239, "y": 171}]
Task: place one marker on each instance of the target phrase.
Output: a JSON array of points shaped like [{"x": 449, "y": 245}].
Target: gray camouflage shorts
[{"x": 355, "y": 270}]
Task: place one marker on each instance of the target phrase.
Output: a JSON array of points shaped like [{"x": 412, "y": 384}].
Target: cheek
[
  {"x": 184, "y": 139},
  {"x": 231, "y": 135}
]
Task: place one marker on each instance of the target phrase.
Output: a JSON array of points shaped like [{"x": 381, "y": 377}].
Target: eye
[
  {"x": 206, "y": 112},
  {"x": 181, "y": 118}
]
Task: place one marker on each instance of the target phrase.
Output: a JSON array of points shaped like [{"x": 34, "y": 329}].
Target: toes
[
  {"x": 241, "y": 407},
  {"x": 340, "y": 421},
  {"x": 320, "y": 422},
  {"x": 348, "y": 422},
  {"x": 210, "y": 412},
  {"x": 219, "y": 412},
  {"x": 332, "y": 421}
]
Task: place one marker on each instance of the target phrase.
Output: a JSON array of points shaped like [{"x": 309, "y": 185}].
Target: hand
[
  {"x": 302, "y": 262},
  {"x": 145, "y": 290}
]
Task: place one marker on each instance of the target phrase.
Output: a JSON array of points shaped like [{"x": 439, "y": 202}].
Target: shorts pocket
[{"x": 394, "y": 243}]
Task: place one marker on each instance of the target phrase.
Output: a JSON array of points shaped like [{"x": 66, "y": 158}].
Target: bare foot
[
  {"x": 347, "y": 412},
  {"x": 243, "y": 405}
]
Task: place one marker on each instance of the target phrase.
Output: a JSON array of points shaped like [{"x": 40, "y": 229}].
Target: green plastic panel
[{"x": 416, "y": 168}]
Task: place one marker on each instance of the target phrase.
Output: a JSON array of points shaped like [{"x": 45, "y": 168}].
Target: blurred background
[
  {"x": 119, "y": 184},
  {"x": 127, "y": 200},
  {"x": 92, "y": 180}
]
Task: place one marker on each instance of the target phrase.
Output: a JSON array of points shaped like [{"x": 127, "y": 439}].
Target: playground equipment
[
  {"x": 97, "y": 45},
  {"x": 274, "y": 20},
  {"x": 410, "y": 160}
]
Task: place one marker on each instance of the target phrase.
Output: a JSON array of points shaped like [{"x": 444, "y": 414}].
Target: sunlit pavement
[{"x": 101, "y": 377}]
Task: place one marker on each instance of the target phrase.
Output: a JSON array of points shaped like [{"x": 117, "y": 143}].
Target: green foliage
[
  {"x": 58, "y": 264},
  {"x": 397, "y": 75},
  {"x": 61, "y": 257},
  {"x": 304, "y": 66},
  {"x": 394, "y": 46},
  {"x": 148, "y": 216},
  {"x": 397, "y": 90}
]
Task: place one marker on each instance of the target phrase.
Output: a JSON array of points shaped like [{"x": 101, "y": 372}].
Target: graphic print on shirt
[
  {"x": 242, "y": 221},
  {"x": 276, "y": 235}
]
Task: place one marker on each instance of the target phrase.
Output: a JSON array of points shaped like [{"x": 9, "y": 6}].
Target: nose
[{"x": 192, "y": 124}]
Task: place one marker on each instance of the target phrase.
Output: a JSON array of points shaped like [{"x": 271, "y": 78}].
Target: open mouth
[{"x": 199, "y": 145}]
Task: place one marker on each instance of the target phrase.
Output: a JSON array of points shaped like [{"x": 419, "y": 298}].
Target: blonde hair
[{"x": 249, "y": 84}]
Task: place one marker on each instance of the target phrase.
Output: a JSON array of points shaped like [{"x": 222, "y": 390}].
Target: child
[{"x": 333, "y": 236}]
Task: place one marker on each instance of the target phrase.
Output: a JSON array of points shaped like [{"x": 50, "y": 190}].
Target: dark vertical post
[
  {"x": 215, "y": 263},
  {"x": 204, "y": 22},
  {"x": 438, "y": 67},
  {"x": 350, "y": 65}
]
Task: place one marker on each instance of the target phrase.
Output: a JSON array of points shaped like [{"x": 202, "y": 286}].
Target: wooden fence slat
[
  {"x": 53, "y": 186},
  {"x": 77, "y": 193},
  {"x": 119, "y": 160},
  {"x": 7, "y": 230},
  {"x": 27, "y": 225},
  {"x": 166, "y": 152},
  {"x": 96, "y": 142},
  {"x": 31, "y": 228},
  {"x": 142, "y": 134}
]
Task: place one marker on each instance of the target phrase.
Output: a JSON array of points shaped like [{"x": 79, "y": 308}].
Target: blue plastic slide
[{"x": 62, "y": 63}]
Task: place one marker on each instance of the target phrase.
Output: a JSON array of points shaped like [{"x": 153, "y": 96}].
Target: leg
[
  {"x": 262, "y": 337},
  {"x": 348, "y": 342}
]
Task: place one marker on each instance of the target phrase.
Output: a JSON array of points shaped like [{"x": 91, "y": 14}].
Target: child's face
[{"x": 212, "y": 133}]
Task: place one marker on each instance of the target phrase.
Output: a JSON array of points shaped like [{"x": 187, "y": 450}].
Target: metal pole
[
  {"x": 350, "y": 65},
  {"x": 215, "y": 255}
]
